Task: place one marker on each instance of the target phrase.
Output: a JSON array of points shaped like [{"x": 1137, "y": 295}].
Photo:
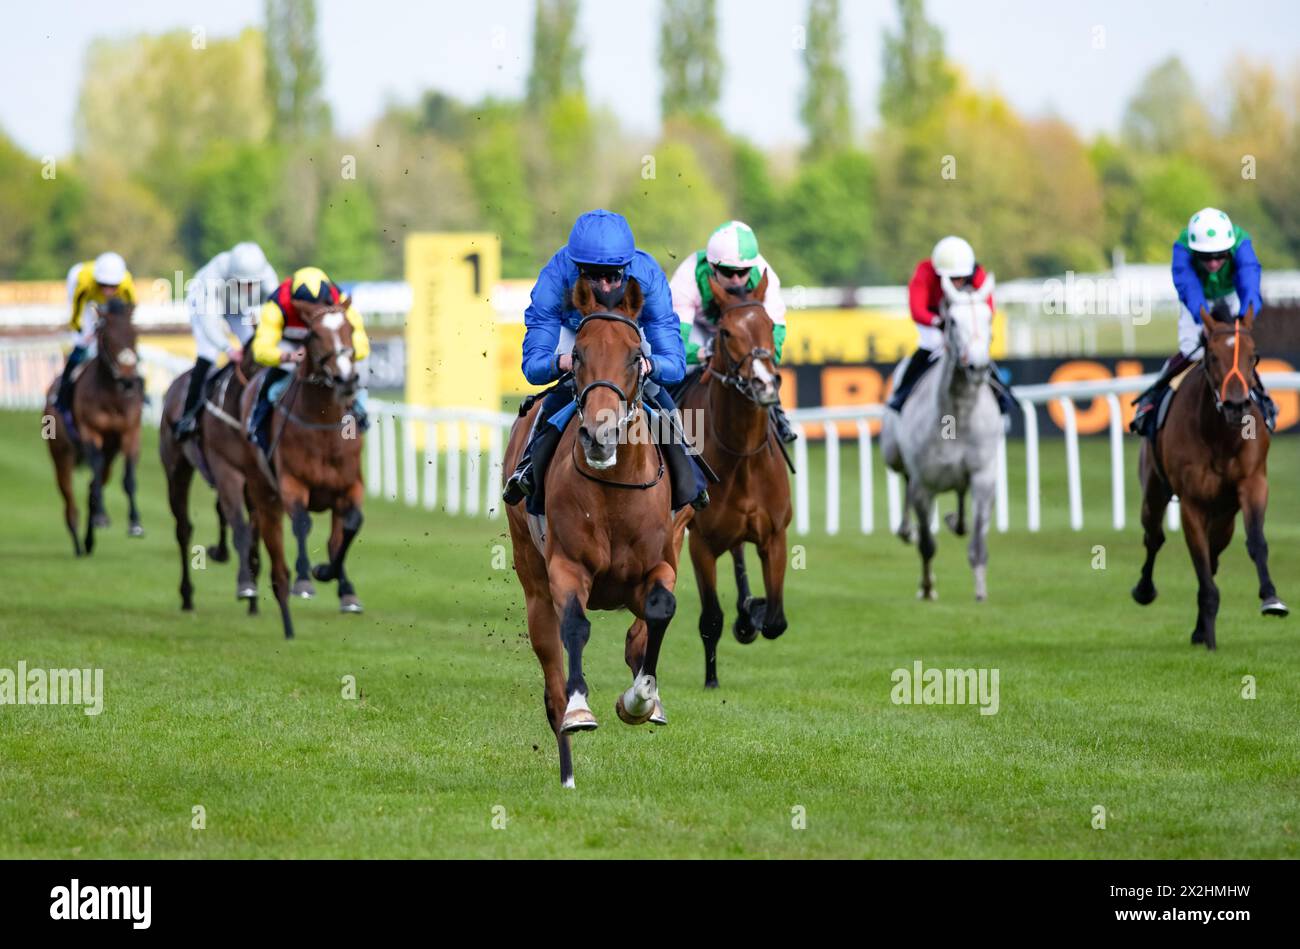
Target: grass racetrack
[{"x": 1102, "y": 703}]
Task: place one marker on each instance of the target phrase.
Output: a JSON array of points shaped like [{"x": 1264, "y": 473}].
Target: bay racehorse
[
  {"x": 219, "y": 451},
  {"x": 315, "y": 462},
  {"x": 607, "y": 542},
  {"x": 1212, "y": 452},
  {"x": 946, "y": 436},
  {"x": 751, "y": 502},
  {"x": 106, "y": 405}
]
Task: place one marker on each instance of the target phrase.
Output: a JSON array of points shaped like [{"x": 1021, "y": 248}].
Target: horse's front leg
[
  {"x": 706, "y": 580},
  {"x": 95, "y": 497},
  {"x": 220, "y": 552},
  {"x": 1155, "y": 499},
  {"x": 956, "y": 520},
  {"x": 295, "y": 496},
  {"x": 922, "y": 502},
  {"x": 977, "y": 553},
  {"x": 749, "y": 611},
  {"x": 570, "y": 586},
  {"x": 346, "y": 523},
  {"x": 1196, "y": 530},
  {"x": 1252, "y": 493},
  {"x": 773, "y": 555},
  {"x": 131, "y": 452},
  {"x": 640, "y": 703},
  {"x": 905, "y": 532}
]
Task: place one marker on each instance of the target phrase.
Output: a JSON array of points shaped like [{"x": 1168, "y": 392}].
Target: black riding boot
[
  {"x": 916, "y": 367},
  {"x": 1144, "y": 420},
  {"x": 63, "y": 401},
  {"x": 527, "y": 478},
  {"x": 686, "y": 483},
  {"x": 258, "y": 429},
  {"x": 783, "y": 429},
  {"x": 188, "y": 424}
]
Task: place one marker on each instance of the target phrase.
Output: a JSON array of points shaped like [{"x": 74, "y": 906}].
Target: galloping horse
[
  {"x": 315, "y": 455},
  {"x": 946, "y": 436},
  {"x": 1213, "y": 453},
  {"x": 609, "y": 532},
  {"x": 220, "y": 452},
  {"x": 751, "y": 504},
  {"x": 107, "y": 401}
]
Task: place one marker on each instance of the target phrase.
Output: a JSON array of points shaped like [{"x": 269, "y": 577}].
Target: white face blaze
[{"x": 334, "y": 322}]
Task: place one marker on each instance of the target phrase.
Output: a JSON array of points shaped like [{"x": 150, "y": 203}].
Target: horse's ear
[
  {"x": 1207, "y": 320},
  {"x": 1249, "y": 317},
  {"x": 719, "y": 294},
  {"x": 584, "y": 300},
  {"x": 760, "y": 291},
  {"x": 986, "y": 291},
  {"x": 345, "y": 301},
  {"x": 633, "y": 298}
]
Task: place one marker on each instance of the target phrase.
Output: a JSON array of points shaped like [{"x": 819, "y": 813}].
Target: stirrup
[
  {"x": 701, "y": 500},
  {"x": 520, "y": 485}
]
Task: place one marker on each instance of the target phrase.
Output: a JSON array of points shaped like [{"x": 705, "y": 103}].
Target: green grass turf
[{"x": 1102, "y": 702}]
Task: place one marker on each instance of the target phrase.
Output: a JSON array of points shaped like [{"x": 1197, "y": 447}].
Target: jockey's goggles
[
  {"x": 731, "y": 272},
  {"x": 1216, "y": 255},
  {"x": 599, "y": 272}
]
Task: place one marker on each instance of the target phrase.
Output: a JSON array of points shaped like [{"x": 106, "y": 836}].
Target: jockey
[
  {"x": 90, "y": 283},
  {"x": 224, "y": 295},
  {"x": 1212, "y": 262},
  {"x": 602, "y": 251},
  {"x": 279, "y": 338},
  {"x": 953, "y": 258},
  {"x": 732, "y": 258}
]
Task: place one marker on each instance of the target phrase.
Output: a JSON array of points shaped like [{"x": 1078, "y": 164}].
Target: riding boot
[
  {"x": 1144, "y": 419},
  {"x": 687, "y": 480},
  {"x": 1000, "y": 389},
  {"x": 258, "y": 429},
  {"x": 783, "y": 428},
  {"x": 1266, "y": 405},
  {"x": 63, "y": 401},
  {"x": 916, "y": 367},
  {"x": 359, "y": 413},
  {"x": 528, "y": 476},
  {"x": 188, "y": 423}
]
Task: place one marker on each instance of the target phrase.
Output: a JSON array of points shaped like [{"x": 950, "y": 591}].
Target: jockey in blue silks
[{"x": 602, "y": 251}]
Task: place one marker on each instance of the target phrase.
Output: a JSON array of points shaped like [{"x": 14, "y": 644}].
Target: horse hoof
[
  {"x": 774, "y": 632},
  {"x": 710, "y": 683},
  {"x": 135, "y": 530},
  {"x": 218, "y": 554},
  {"x": 322, "y": 572},
  {"x": 906, "y": 534},
  {"x": 744, "y": 633},
  {"x": 304, "y": 588},
  {"x": 658, "y": 716},
  {"x": 350, "y": 604},
  {"x": 624, "y": 715},
  {"x": 101, "y": 521},
  {"x": 578, "y": 716},
  {"x": 931, "y": 594},
  {"x": 954, "y": 525},
  {"x": 1144, "y": 595},
  {"x": 1273, "y": 607},
  {"x": 1197, "y": 637},
  {"x": 246, "y": 593},
  {"x": 637, "y": 705}
]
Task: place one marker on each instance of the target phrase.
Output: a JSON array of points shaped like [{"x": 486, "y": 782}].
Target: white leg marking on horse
[
  {"x": 568, "y": 782},
  {"x": 641, "y": 694},
  {"x": 577, "y": 701}
]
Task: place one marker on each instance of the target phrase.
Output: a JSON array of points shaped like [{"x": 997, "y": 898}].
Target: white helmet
[
  {"x": 953, "y": 257},
  {"x": 247, "y": 263},
  {"x": 110, "y": 269},
  {"x": 733, "y": 245},
  {"x": 1210, "y": 231}
]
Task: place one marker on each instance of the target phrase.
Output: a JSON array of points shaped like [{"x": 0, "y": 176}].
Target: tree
[
  {"x": 557, "y": 58},
  {"x": 917, "y": 76},
  {"x": 294, "y": 74},
  {"x": 826, "y": 233},
  {"x": 348, "y": 246},
  {"x": 825, "y": 106},
  {"x": 1165, "y": 115},
  {"x": 669, "y": 211},
  {"x": 688, "y": 58},
  {"x": 500, "y": 179},
  {"x": 232, "y": 198}
]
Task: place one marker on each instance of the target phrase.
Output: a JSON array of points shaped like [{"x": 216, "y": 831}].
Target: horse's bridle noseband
[
  {"x": 1221, "y": 396},
  {"x": 124, "y": 383}
]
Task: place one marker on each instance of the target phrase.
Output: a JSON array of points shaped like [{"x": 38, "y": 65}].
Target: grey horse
[{"x": 946, "y": 436}]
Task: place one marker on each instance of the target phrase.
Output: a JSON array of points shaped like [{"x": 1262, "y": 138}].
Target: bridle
[
  {"x": 734, "y": 367},
  {"x": 316, "y": 373},
  {"x": 1221, "y": 396},
  {"x": 634, "y": 406},
  {"x": 124, "y": 383}
]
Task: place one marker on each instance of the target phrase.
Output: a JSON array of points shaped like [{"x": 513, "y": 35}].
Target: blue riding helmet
[{"x": 603, "y": 238}]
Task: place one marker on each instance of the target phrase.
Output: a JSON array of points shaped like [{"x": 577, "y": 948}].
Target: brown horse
[
  {"x": 609, "y": 534},
  {"x": 752, "y": 502},
  {"x": 1213, "y": 454},
  {"x": 219, "y": 451},
  {"x": 107, "y": 401},
  {"x": 315, "y": 460}
]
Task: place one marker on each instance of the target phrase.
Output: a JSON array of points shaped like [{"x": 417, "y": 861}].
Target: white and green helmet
[
  {"x": 1210, "y": 231},
  {"x": 733, "y": 245}
]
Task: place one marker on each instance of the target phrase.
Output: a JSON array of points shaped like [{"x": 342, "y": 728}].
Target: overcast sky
[{"x": 1038, "y": 53}]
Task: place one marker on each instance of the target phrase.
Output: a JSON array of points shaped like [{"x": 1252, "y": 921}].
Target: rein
[
  {"x": 1221, "y": 396},
  {"x": 732, "y": 377}
]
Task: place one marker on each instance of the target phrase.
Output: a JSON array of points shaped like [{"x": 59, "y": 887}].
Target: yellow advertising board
[{"x": 451, "y": 331}]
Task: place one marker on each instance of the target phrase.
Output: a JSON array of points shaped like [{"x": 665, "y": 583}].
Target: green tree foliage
[
  {"x": 672, "y": 213},
  {"x": 825, "y": 106},
  {"x": 557, "y": 57},
  {"x": 500, "y": 179},
  {"x": 689, "y": 59},
  {"x": 347, "y": 248},
  {"x": 233, "y": 198},
  {"x": 826, "y": 229},
  {"x": 294, "y": 72},
  {"x": 917, "y": 76},
  {"x": 1165, "y": 115}
]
